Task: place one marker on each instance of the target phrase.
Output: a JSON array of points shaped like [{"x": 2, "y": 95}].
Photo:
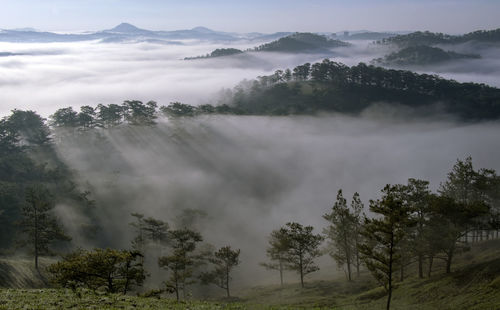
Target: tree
[
  {"x": 382, "y": 236},
  {"x": 419, "y": 198},
  {"x": 276, "y": 252},
  {"x": 139, "y": 241},
  {"x": 176, "y": 109},
  {"x": 110, "y": 115},
  {"x": 224, "y": 259},
  {"x": 86, "y": 117},
  {"x": 64, "y": 117},
  {"x": 341, "y": 233},
  {"x": 181, "y": 262},
  {"x": 449, "y": 222},
  {"x": 29, "y": 127},
  {"x": 117, "y": 270},
  {"x": 138, "y": 113},
  {"x": 39, "y": 226},
  {"x": 357, "y": 208},
  {"x": 302, "y": 248},
  {"x": 155, "y": 230}
]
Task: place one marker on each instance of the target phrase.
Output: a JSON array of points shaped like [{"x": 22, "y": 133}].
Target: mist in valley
[{"x": 251, "y": 175}]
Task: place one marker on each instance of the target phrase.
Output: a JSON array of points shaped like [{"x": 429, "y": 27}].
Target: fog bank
[{"x": 253, "y": 174}]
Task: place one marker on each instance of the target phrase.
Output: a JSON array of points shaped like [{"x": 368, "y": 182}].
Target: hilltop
[
  {"x": 301, "y": 42},
  {"x": 431, "y": 38},
  {"x": 421, "y": 55}
]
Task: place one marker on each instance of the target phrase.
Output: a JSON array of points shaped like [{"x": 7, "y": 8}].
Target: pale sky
[{"x": 450, "y": 16}]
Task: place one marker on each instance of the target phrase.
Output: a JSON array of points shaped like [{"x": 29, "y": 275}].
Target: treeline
[
  {"x": 334, "y": 87},
  {"x": 431, "y": 38},
  {"x": 325, "y": 86}
]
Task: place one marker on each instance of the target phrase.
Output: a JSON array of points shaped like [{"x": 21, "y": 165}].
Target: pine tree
[
  {"x": 382, "y": 236},
  {"x": 39, "y": 225}
]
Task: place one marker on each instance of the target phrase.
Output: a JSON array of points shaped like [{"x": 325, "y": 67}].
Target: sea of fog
[
  {"x": 48, "y": 76},
  {"x": 250, "y": 174}
]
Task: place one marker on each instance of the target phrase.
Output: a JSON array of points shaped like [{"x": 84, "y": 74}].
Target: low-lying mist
[
  {"x": 253, "y": 174},
  {"x": 48, "y": 76}
]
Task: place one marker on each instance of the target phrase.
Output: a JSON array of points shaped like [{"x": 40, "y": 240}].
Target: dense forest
[{"x": 421, "y": 55}]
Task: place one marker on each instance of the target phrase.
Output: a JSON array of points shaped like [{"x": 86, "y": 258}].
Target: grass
[{"x": 473, "y": 284}]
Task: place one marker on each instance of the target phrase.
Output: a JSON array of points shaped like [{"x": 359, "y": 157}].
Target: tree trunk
[
  {"x": 448, "y": 261},
  {"x": 389, "y": 296},
  {"x": 420, "y": 265},
  {"x": 301, "y": 272},
  {"x": 227, "y": 280},
  {"x": 431, "y": 260},
  {"x": 281, "y": 273},
  {"x": 402, "y": 272}
]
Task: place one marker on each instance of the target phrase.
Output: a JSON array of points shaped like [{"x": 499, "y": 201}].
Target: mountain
[
  {"x": 301, "y": 42},
  {"x": 421, "y": 55}
]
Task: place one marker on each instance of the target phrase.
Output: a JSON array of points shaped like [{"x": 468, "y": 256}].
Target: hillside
[
  {"x": 421, "y": 55},
  {"x": 474, "y": 284},
  {"x": 220, "y": 52},
  {"x": 301, "y": 42},
  {"x": 18, "y": 272},
  {"x": 431, "y": 38}
]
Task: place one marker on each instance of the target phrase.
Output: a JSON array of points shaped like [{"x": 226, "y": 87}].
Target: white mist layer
[{"x": 254, "y": 174}]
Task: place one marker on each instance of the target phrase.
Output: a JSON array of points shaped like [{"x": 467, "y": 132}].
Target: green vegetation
[
  {"x": 325, "y": 86},
  {"x": 220, "y": 52},
  {"x": 431, "y": 38},
  {"x": 301, "y": 42},
  {"x": 421, "y": 55}
]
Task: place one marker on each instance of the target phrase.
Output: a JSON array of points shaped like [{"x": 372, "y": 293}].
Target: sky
[{"x": 450, "y": 16}]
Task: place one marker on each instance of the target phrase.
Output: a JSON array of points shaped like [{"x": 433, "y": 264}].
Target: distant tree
[
  {"x": 181, "y": 262},
  {"x": 117, "y": 270},
  {"x": 205, "y": 109},
  {"x": 29, "y": 127},
  {"x": 109, "y": 115},
  {"x": 155, "y": 230},
  {"x": 86, "y": 117},
  {"x": 176, "y": 109},
  {"x": 39, "y": 225},
  {"x": 64, "y": 117},
  {"x": 382, "y": 236},
  {"x": 139, "y": 241},
  {"x": 301, "y": 73},
  {"x": 277, "y": 253},
  {"x": 138, "y": 113},
  {"x": 303, "y": 248},
  {"x": 287, "y": 75},
  {"x": 224, "y": 260}
]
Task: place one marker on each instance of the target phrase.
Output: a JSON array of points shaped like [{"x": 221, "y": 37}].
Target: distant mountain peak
[
  {"x": 202, "y": 29},
  {"x": 125, "y": 27}
]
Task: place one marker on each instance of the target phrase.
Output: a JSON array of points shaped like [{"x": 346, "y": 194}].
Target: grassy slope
[
  {"x": 473, "y": 284},
  {"x": 17, "y": 272}
]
